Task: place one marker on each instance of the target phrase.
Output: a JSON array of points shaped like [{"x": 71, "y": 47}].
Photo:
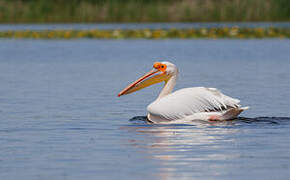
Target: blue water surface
[{"x": 61, "y": 117}]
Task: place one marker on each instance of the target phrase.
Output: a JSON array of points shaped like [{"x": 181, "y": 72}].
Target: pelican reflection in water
[{"x": 186, "y": 150}]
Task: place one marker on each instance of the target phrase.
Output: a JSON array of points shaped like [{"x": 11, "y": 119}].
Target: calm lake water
[{"x": 61, "y": 117}]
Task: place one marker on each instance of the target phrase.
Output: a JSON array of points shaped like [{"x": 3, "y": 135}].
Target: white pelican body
[{"x": 188, "y": 104}]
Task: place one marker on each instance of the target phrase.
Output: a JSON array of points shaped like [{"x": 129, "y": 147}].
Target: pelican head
[{"x": 161, "y": 72}]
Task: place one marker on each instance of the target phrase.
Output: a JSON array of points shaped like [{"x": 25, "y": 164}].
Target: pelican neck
[{"x": 168, "y": 86}]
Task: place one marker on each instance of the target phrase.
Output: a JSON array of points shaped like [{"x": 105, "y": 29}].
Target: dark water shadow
[{"x": 142, "y": 120}]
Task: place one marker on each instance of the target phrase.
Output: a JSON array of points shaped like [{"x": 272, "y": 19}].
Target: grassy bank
[
  {"x": 234, "y": 32},
  {"x": 42, "y": 11}
]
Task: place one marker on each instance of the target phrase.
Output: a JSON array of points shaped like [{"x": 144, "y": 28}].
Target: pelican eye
[{"x": 163, "y": 67}]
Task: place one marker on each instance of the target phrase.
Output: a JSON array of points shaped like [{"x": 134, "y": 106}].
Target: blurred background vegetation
[{"x": 62, "y": 11}]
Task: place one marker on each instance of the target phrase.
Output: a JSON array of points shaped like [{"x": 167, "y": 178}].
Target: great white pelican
[{"x": 188, "y": 104}]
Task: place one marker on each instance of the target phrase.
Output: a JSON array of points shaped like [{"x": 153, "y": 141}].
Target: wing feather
[{"x": 188, "y": 101}]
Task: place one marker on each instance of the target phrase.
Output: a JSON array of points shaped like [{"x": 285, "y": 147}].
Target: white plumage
[{"x": 189, "y": 101}]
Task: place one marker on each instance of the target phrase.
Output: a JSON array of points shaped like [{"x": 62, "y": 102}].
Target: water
[
  {"x": 39, "y": 27},
  {"x": 61, "y": 117}
]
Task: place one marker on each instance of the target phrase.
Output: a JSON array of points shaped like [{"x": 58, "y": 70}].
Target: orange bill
[{"x": 145, "y": 81}]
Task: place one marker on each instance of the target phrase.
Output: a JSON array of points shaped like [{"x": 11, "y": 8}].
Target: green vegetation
[
  {"x": 42, "y": 11},
  {"x": 233, "y": 32}
]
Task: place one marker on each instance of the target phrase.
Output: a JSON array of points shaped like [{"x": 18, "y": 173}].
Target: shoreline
[{"x": 190, "y": 33}]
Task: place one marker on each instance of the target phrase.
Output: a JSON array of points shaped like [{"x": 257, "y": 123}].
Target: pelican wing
[{"x": 188, "y": 101}]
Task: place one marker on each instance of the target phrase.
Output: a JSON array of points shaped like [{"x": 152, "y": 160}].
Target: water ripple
[{"x": 256, "y": 120}]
